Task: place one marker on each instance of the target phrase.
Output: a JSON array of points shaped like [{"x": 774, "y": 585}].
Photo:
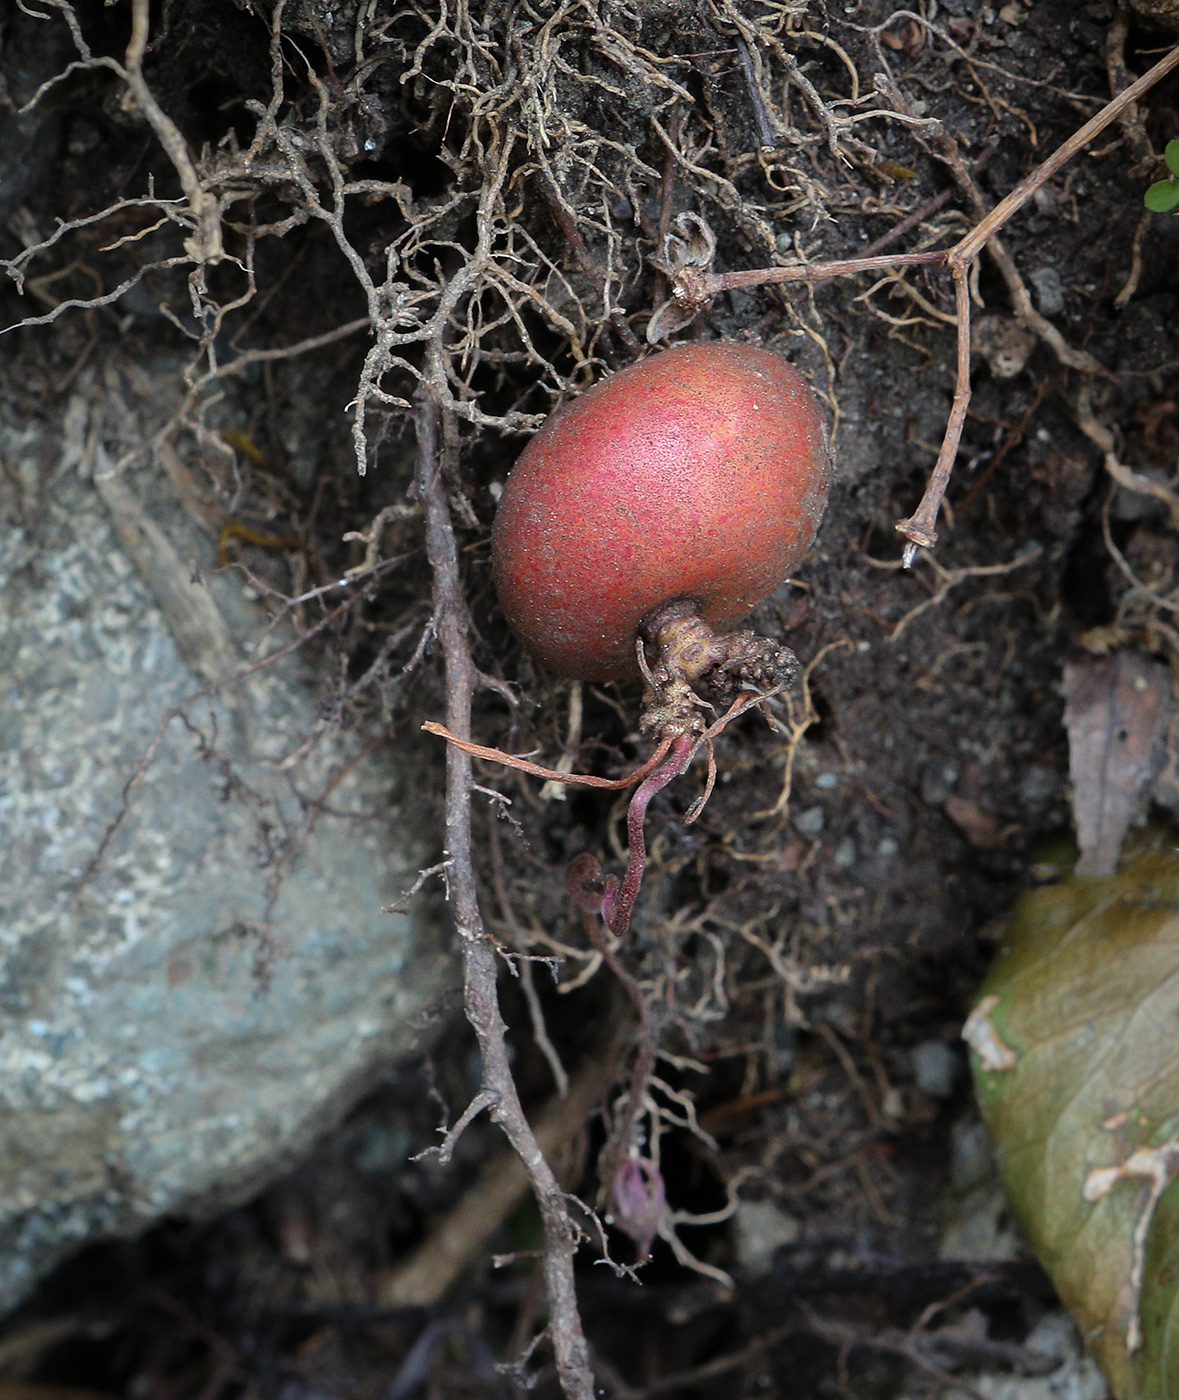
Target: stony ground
[{"x": 812, "y": 942}]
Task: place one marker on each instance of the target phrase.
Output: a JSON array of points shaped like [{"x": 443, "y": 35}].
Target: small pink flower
[{"x": 639, "y": 1198}]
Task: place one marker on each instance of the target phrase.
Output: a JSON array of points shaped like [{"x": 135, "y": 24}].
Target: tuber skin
[
  {"x": 680, "y": 491},
  {"x": 652, "y": 512},
  {"x": 642, "y": 521},
  {"x": 643, "y": 518}
]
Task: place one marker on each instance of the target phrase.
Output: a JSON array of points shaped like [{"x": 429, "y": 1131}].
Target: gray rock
[
  {"x": 980, "y": 1227},
  {"x": 196, "y": 974},
  {"x": 1074, "y": 1376}
]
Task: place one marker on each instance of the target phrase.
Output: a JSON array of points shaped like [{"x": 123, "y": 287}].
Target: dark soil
[{"x": 797, "y": 950}]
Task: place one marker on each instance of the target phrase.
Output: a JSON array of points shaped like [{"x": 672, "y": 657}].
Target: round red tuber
[{"x": 695, "y": 478}]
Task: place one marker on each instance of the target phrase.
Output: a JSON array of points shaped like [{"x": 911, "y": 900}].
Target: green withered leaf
[{"x": 1075, "y": 1051}]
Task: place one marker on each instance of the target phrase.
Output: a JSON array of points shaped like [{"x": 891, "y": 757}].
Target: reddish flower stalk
[{"x": 618, "y": 905}]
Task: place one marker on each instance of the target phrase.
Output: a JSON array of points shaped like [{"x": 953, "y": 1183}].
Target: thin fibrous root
[{"x": 537, "y": 770}]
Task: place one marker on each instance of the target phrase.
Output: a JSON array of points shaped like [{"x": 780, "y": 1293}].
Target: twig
[
  {"x": 481, "y": 997},
  {"x": 920, "y": 529},
  {"x": 406, "y": 897}
]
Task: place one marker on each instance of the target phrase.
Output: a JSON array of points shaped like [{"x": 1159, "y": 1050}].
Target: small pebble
[
  {"x": 937, "y": 782},
  {"x": 935, "y": 1068},
  {"x": 381, "y": 1147},
  {"x": 1137, "y": 505},
  {"x": 971, "y": 1158},
  {"x": 763, "y": 1227},
  {"x": 1040, "y": 785},
  {"x": 810, "y": 822},
  {"x": 826, "y": 781},
  {"x": 1049, "y": 290}
]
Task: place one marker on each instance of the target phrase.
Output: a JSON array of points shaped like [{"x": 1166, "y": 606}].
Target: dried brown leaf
[
  {"x": 979, "y": 827},
  {"x": 1114, "y": 712}
]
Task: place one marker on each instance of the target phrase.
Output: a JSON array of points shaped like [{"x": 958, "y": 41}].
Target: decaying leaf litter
[
  {"x": 490, "y": 198},
  {"x": 1076, "y": 1077}
]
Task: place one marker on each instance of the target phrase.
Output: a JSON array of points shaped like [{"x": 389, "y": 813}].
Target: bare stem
[
  {"x": 713, "y": 283},
  {"x": 481, "y": 998},
  {"x": 920, "y": 529},
  {"x": 693, "y": 287},
  {"x": 966, "y": 249}
]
